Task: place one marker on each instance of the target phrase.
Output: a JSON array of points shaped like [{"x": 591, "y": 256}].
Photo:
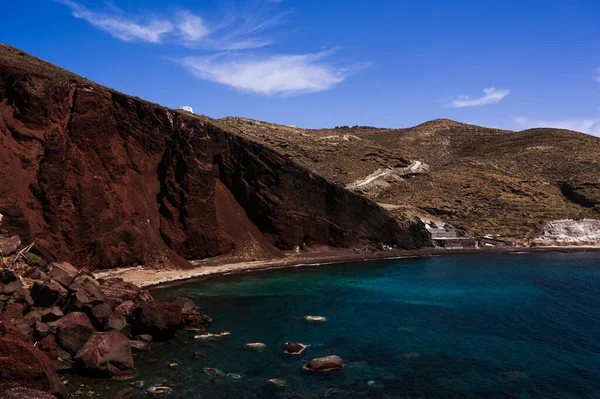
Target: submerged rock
[
  {"x": 294, "y": 348},
  {"x": 258, "y": 346},
  {"x": 315, "y": 319},
  {"x": 324, "y": 364},
  {"x": 159, "y": 390},
  {"x": 278, "y": 382}
]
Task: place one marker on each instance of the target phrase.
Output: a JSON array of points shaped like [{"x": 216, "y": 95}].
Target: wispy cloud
[
  {"x": 597, "y": 74},
  {"x": 584, "y": 125},
  {"x": 227, "y": 46},
  {"x": 235, "y": 32},
  {"x": 271, "y": 75},
  {"x": 490, "y": 96},
  {"x": 120, "y": 27}
]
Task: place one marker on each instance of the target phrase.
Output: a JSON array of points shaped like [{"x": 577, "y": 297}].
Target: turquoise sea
[{"x": 463, "y": 326}]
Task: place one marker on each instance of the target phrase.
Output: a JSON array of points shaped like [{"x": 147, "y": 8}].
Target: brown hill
[
  {"x": 109, "y": 180},
  {"x": 485, "y": 181}
]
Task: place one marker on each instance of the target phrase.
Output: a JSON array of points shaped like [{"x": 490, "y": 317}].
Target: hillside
[
  {"x": 482, "y": 180},
  {"x": 106, "y": 180}
]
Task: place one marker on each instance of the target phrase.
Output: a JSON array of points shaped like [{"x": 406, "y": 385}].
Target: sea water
[{"x": 463, "y": 326}]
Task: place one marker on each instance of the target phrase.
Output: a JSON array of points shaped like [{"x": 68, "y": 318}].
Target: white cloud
[
  {"x": 191, "y": 27},
  {"x": 152, "y": 30},
  {"x": 235, "y": 32},
  {"x": 490, "y": 96},
  {"x": 271, "y": 75},
  {"x": 584, "y": 125},
  {"x": 597, "y": 74}
]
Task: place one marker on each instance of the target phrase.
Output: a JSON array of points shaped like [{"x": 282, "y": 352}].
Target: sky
[{"x": 512, "y": 64}]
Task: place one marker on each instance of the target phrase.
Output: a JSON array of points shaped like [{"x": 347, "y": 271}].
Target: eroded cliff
[{"x": 108, "y": 180}]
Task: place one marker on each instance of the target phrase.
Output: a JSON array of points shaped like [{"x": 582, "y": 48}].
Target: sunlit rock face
[{"x": 567, "y": 231}]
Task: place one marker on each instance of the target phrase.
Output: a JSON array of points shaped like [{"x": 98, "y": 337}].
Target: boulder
[
  {"x": 7, "y": 276},
  {"x": 87, "y": 289},
  {"x": 73, "y": 318},
  {"x": 11, "y": 288},
  {"x": 324, "y": 364},
  {"x": 159, "y": 319},
  {"x": 106, "y": 353},
  {"x": 13, "y": 314},
  {"x": 22, "y": 365},
  {"x": 117, "y": 291},
  {"x": 25, "y": 393},
  {"x": 144, "y": 337},
  {"x": 63, "y": 272},
  {"x": 73, "y": 331},
  {"x": 145, "y": 296},
  {"x": 139, "y": 346},
  {"x": 125, "y": 309},
  {"x": 49, "y": 346},
  {"x": 9, "y": 246},
  {"x": 116, "y": 322},
  {"x": 73, "y": 337},
  {"x": 126, "y": 393},
  {"x": 100, "y": 314},
  {"x": 187, "y": 305},
  {"x": 22, "y": 295},
  {"x": 195, "y": 319},
  {"x": 294, "y": 348},
  {"x": 48, "y": 294}
]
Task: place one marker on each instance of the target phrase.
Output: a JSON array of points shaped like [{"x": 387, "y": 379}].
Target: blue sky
[{"x": 321, "y": 63}]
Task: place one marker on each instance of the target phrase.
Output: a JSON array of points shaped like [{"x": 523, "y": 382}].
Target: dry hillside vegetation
[{"x": 485, "y": 181}]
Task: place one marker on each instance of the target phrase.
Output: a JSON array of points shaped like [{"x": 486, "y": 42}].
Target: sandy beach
[{"x": 145, "y": 277}]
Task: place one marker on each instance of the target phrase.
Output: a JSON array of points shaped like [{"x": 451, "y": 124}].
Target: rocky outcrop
[
  {"x": 23, "y": 365},
  {"x": 95, "y": 335},
  {"x": 109, "y": 180},
  {"x": 570, "y": 232}
]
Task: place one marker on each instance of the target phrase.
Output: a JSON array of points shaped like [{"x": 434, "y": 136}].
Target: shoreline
[{"x": 225, "y": 266}]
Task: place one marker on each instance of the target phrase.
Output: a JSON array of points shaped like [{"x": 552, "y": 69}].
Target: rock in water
[
  {"x": 315, "y": 319},
  {"x": 258, "y": 346},
  {"x": 324, "y": 364},
  {"x": 106, "y": 353},
  {"x": 160, "y": 390},
  {"x": 294, "y": 348},
  {"x": 159, "y": 319}
]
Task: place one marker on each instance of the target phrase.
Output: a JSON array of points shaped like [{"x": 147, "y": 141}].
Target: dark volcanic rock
[
  {"x": 159, "y": 319},
  {"x": 48, "y": 294},
  {"x": 116, "y": 291},
  {"x": 25, "y": 393},
  {"x": 63, "y": 272},
  {"x": 23, "y": 365},
  {"x": 294, "y": 348},
  {"x": 73, "y": 331},
  {"x": 7, "y": 276},
  {"x": 324, "y": 364},
  {"x": 126, "y": 393},
  {"x": 125, "y": 309},
  {"x": 106, "y": 353},
  {"x": 10, "y": 288},
  {"x": 10, "y": 245}
]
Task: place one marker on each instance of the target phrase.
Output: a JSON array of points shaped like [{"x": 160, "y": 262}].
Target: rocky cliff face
[{"x": 111, "y": 180}]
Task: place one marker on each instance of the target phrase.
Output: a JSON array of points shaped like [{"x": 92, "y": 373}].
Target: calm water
[{"x": 472, "y": 326}]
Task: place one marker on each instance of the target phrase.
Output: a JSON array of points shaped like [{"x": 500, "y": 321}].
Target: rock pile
[{"x": 54, "y": 317}]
